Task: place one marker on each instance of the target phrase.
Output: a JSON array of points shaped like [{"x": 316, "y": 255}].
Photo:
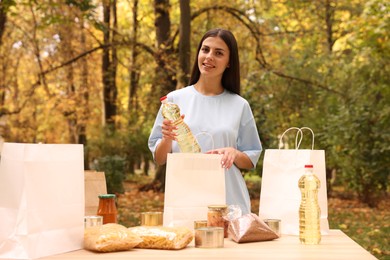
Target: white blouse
[{"x": 225, "y": 120}]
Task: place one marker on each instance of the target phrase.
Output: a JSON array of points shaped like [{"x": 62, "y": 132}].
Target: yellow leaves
[
  {"x": 377, "y": 251},
  {"x": 343, "y": 226},
  {"x": 373, "y": 232}
]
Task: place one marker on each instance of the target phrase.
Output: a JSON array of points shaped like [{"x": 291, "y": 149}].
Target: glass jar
[
  {"x": 215, "y": 217},
  {"x": 107, "y": 208}
]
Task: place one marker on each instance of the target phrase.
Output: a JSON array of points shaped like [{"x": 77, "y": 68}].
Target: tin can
[
  {"x": 209, "y": 237},
  {"x": 151, "y": 218},
  {"x": 92, "y": 221},
  {"x": 215, "y": 217},
  {"x": 200, "y": 224},
  {"x": 274, "y": 225}
]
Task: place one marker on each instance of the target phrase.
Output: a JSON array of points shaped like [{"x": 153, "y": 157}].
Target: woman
[{"x": 213, "y": 105}]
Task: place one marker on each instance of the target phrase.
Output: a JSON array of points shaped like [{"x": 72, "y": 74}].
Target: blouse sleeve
[
  {"x": 248, "y": 137},
  {"x": 156, "y": 133}
]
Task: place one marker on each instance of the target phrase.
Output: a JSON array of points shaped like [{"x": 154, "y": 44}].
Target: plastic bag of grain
[
  {"x": 159, "y": 237},
  {"x": 109, "y": 238}
]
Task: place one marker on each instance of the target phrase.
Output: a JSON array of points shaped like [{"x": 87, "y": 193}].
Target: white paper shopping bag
[
  {"x": 280, "y": 196},
  {"x": 193, "y": 181},
  {"x": 41, "y": 200}
]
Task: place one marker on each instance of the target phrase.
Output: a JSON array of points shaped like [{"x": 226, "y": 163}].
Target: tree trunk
[
  {"x": 68, "y": 33},
  {"x": 329, "y": 18},
  {"x": 3, "y": 21},
  {"x": 165, "y": 78},
  {"x": 84, "y": 90},
  {"x": 110, "y": 91},
  {"x": 165, "y": 81},
  {"x": 134, "y": 74},
  {"x": 184, "y": 43}
]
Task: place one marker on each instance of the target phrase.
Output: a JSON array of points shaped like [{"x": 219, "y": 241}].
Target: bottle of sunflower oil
[
  {"x": 185, "y": 139},
  {"x": 309, "y": 210}
]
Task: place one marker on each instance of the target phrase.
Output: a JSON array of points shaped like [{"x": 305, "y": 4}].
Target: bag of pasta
[
  {"x": 109, "y": 238},
  {"x": 159, "y": 237},
  {"x": 250, "y": 228}
]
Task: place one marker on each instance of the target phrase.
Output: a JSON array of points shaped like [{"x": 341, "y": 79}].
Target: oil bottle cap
[{"x": 308, "y": 166}]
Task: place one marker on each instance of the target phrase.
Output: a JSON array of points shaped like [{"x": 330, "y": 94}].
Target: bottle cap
[
  {"x": 107, "y": 196},
  {"x": 308, "y": 166},
  {"x": 163, "y": 98}
]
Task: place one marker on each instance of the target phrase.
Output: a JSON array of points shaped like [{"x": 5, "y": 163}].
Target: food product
[
  {"x": 216, "y": 217},
  {"x": 109, "y": 238},
  {"x": 159, "y": 237},
  {"x": 107, "y": 208},
  {"x": 250, "y": 228}
]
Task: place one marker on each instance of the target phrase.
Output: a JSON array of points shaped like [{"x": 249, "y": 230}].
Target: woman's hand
[
  {"x": 168, "y": 130},
  {"x": 229, "y": 155}
]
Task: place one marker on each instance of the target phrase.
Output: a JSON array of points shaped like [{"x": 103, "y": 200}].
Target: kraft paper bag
[
  {"x": 95, "y": 184},
  {"x": 280, "y": 196},
  {"x": 193, "y": 181},
  {"x": 41, "y": 200}
]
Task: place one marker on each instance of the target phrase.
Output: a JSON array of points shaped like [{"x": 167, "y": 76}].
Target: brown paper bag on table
[
  {"x": 41, "y": 200},
  {"x": 95, "y": 184},
  {"x": 193, "y": 181},
  {"x": 280, "y": 196}
]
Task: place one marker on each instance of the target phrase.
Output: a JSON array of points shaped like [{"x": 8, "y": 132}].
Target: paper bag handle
[
  {"x": 206, "y": 133},
  {"x": 297, "y": 143},
  {"x": 301, "y": 132}
]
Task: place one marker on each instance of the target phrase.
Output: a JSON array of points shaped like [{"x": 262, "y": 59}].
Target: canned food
[
  {"x": 209, "y": 237},
  {"x": 91, "y": 221},
  {"x": 151, "y": 218},
  {"x": 200, "y": 224},
  {"x": 215, "y": 217},
  {"x": 274, "y": 225}
]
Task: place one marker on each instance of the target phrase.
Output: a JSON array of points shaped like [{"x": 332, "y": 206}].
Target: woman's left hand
[{"x": 229, "y": 155}]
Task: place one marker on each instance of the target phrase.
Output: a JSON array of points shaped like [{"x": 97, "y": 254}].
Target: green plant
[{"x": 114, "y": 169}]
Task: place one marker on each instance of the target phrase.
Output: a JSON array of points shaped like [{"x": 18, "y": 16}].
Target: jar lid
[
  {"x": 217, "y": 207},
  {"x": 106, "y": 196}
]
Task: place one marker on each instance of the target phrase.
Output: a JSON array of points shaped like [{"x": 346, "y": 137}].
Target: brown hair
[{"x": 231, "y": 75}]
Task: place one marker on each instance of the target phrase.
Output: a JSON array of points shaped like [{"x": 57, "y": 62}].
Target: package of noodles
[
  {"x": 109, "y": 238},
  {"x": 159, "y": 237}
]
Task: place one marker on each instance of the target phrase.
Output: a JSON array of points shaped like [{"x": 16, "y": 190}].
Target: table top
[{"x": 335, "y": 245}]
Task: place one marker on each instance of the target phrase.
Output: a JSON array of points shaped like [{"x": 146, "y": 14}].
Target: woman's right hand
[{"x": 167, "y": 129}]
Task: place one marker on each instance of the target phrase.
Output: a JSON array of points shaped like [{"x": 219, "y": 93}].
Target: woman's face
[{"x": 213, "y": 57}]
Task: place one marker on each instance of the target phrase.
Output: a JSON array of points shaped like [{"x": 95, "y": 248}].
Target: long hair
[{"x": 231, "y": 75}]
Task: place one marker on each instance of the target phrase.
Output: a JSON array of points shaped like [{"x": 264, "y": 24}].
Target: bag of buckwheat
[{"x": 250, "y": 228}]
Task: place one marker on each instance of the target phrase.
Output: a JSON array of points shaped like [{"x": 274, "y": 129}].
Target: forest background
[{"x": 92, "y": 72}]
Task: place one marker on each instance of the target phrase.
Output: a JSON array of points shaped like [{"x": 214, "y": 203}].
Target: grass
[{"x": 369, "y": 227}]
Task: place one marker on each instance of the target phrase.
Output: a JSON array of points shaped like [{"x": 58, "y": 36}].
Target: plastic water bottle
[
  {"x": 309, "y": 210},
  {"x": 185, "y": 138}
]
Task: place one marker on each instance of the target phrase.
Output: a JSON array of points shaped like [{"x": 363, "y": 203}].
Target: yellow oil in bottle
[
  {"x": 185, "y": 139},
  {"x": 309, "y": 210}
]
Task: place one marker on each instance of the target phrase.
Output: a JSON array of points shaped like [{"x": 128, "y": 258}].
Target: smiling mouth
[{"x": 208, "y": 66}]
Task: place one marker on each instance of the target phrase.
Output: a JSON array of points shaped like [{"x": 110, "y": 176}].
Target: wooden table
[{"x": 334, "y": 246}]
